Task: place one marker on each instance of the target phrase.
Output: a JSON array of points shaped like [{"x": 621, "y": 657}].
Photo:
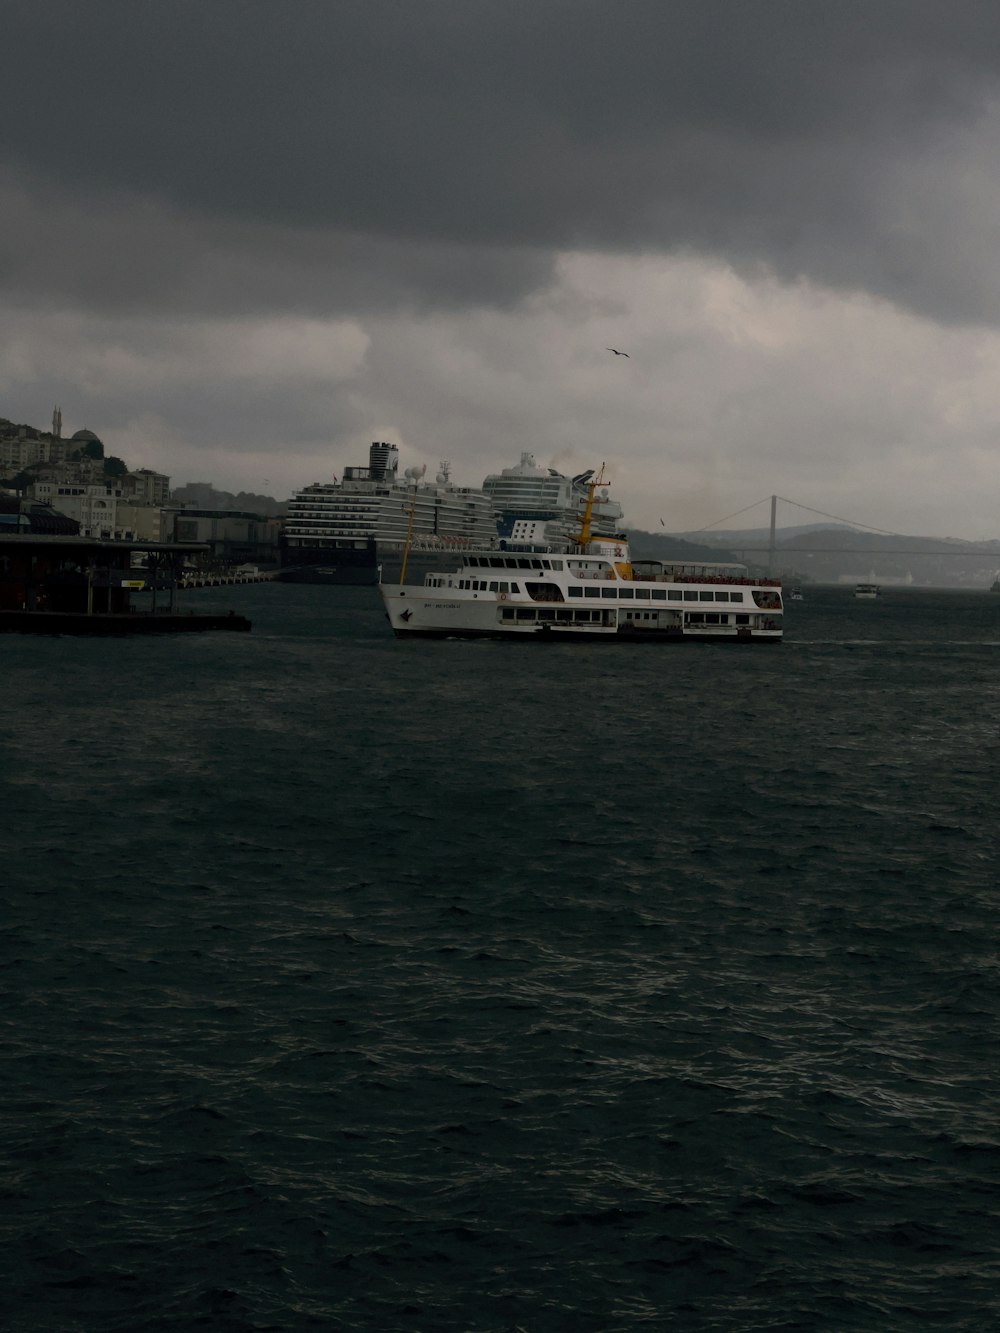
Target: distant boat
[
  {"x": 796, "y": 595},
  {"x": 867, "y": 591}
]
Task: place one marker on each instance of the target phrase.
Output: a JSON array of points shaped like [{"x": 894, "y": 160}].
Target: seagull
[{"x": 616, "y": 351}]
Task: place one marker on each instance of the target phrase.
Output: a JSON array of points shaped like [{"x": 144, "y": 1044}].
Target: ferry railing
[{"x": 741, "y": 580}]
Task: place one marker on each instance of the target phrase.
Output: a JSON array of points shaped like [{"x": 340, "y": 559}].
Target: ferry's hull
[{"x": 622, "y": 635}]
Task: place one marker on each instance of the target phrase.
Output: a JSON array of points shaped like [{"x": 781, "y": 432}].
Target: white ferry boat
[
  {"x": 867, "y": 592},
  {"x": 587, "y": 588}
]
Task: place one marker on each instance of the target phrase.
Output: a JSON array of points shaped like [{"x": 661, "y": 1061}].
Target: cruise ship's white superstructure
[
  {"x": 343, "y": 531},
  {"x": 530, "y": 492}
]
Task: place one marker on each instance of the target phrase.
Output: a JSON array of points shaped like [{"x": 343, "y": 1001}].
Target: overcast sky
[{"x": 240, "y": 240}]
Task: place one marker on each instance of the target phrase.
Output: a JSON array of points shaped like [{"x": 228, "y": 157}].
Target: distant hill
[
  {"x": 665, "y": 546},
  {"x": 203, "y": 495},
  {"x": 835, "y": 554},
  {"x": 761, "y": 536}
]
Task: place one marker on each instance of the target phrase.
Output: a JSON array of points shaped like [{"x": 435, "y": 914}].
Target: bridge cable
[
  {"x": 851, "y": 523},
  {"x": 694, "y": 531}
]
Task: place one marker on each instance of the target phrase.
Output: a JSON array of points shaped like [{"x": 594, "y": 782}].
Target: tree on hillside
[
  {"x": 203, "y": 495},
  {"x": 200, "y": 495},
  {"x": 94, "y": 449},
  {"x": 114, "y": 467}
]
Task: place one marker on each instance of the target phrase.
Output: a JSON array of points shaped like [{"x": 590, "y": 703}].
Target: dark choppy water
[{"x": 355, "y": 984}]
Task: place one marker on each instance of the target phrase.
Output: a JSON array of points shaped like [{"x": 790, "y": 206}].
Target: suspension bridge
[{"x": 939, "y": 546}]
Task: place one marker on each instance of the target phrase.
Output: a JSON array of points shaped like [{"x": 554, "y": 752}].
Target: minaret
[{"x": 57, "y": 422}]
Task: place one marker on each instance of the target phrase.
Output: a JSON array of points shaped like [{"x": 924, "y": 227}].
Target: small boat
[
  {"x": 584, "y": 587},
  {"x": 867, "y": 592},
  {"x": 796, "y": 595}
]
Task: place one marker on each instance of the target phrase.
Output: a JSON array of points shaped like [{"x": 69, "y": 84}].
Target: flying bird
[{"x": 616, "y": 351}]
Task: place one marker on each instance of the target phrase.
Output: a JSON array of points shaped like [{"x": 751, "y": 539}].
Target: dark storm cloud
[
  {"x": 113, "y": 252},
  {"x": 835, "y": 141}
]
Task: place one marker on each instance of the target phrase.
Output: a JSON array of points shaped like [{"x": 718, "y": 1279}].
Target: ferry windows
[
  {"x": 514, "y": 588},
  {"x": 706, "y": 597},
  {"x": 591, "y": 592},
  {"x": 546, "y": 615},
  {"x": 743, "y": 620},
  {"x": 523, "y": 564},
  {"x": 659, "y": 595},
  {"x": 706, "y": 618},
  {"x": 537, "y": 564},
  {"x": 626, "y": 593},
  {"x": 556, "y": 564},
  {"x": 494, "y": 586},
  {"x": 642, "y": 594},
  {"x": 736, "y": 597},
  {"x": 722, "y": 596},
  {"x": 576, "y": 592},
  {"x": 525, "y": 615},
  {"x": 496, "y": 562},
  {"x": 675, "y": 595},
  {"x": 609, "y": 592}
]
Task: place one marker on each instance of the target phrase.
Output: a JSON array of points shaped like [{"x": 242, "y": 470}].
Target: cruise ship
[
  {"x": 528, "y": 492},
  {"x": 354, "y": 531}
]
